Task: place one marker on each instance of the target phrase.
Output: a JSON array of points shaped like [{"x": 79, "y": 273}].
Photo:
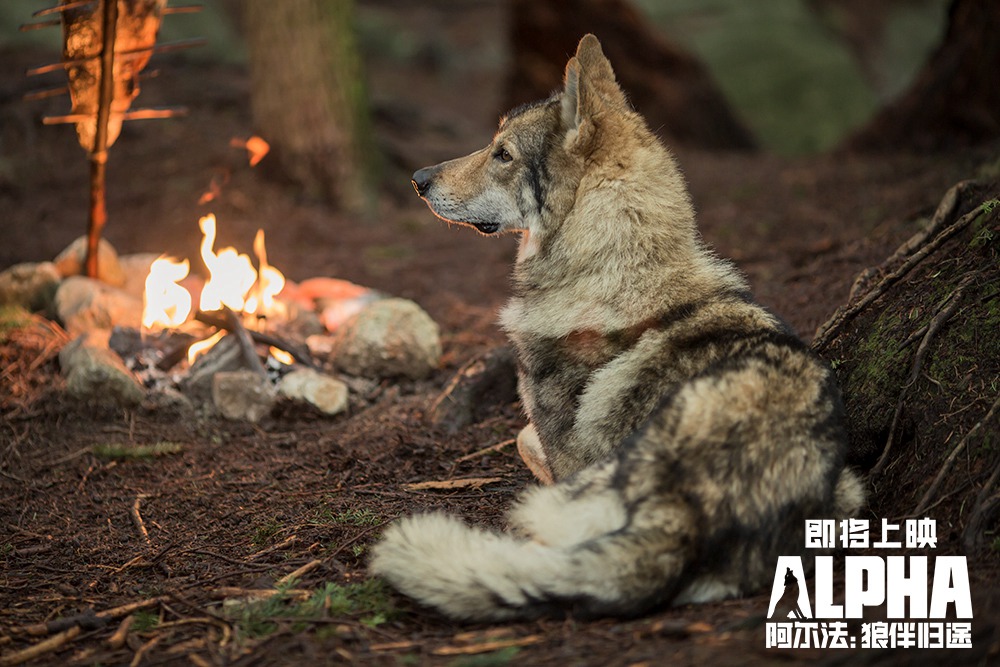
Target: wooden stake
[{"x": 99, "y": 155}]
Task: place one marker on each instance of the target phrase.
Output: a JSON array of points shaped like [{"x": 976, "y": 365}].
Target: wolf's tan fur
[{"x": 688, "y": 432}]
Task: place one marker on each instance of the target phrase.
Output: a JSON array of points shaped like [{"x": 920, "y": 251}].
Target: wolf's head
[{"x": 527, "y": 179}]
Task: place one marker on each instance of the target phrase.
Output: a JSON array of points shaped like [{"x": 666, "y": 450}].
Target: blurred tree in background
[
  {"x": 309, "y": 100},
  {"x": 955, "y": 99}
]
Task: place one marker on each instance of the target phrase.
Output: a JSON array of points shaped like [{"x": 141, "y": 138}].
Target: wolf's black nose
[{"x": 422, "y": 179}]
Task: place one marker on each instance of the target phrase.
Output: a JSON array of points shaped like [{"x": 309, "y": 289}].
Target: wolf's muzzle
[{"x": 422, "y": 179}]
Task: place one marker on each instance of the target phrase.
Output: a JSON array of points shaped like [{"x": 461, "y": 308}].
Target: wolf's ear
[
  {"x": 571, "y": 95},
  {"x": 598, "y": 73},
  {"x": 575, "y": 108}
]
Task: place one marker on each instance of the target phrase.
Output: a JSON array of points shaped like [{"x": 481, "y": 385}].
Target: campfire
[
  {"x": 226, "y": 332},
  {"x": 235, "y": 296}
]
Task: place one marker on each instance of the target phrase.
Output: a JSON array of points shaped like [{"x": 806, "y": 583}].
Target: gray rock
[
  {"x": 83, "y": 304},
  {"x": 31, "y": 285},
  {"x": 70, "y": 262},
  {"x": 242, "y": 395},
  {"x": 389, "y": 338},
  {"x": 327, "y": 394},
  {"x": 94, "y": 373}
]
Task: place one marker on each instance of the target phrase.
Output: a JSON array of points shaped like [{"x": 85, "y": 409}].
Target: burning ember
[{"x": 232, "y": 283}]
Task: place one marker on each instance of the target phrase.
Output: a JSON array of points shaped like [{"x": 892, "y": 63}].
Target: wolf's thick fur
[{"x": 689, "y": 432}]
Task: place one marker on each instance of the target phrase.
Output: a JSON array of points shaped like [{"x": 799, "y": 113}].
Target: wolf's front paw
[{"x": 530, "y": 449}]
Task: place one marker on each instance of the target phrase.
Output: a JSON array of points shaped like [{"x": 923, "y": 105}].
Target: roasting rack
[{"x": 103, "y": 33}]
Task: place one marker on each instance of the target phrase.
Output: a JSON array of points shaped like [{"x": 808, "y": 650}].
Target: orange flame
[
  {"x": 165, "y": 303},
  {"x": 232, "y": 282},
  {"x": 203, "y": 346},
  {"x": 230, "y": 273},
  {"x": 281, "y": 356},
  {"x": 270, "y": 281}
]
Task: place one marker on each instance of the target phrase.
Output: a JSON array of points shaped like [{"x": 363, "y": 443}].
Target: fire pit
[{"x": 235, "y": 342}]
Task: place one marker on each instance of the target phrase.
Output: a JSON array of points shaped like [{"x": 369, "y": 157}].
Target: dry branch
[
  {"x": 450, "y": 484},
  {"x": 140, "y": 525},
  {"x": 214, "y": 320},
  {"x": 87, "y": 620},
  {"x": 297, "y": 574},
  {"x": 487, "y": 647},
  {"x": 53, "y": 643},
  {"x": 485, "y": 450}
]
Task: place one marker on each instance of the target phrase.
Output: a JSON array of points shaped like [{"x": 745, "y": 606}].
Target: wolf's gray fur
[{"x": 689, "y": 433}]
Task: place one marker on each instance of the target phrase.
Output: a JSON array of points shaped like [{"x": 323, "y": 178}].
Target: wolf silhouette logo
[{"x": 789, "y": 600}]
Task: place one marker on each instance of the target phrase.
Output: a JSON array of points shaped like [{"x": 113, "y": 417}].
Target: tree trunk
[
  {"x": 955, "y": 100},
  {"x": 309, "y": 100},
  {"x": 667, "y": 85}
]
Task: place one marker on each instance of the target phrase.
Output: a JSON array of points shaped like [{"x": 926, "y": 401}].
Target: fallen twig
[
  {"x": 287, "y": 542},
  {"x": 448, "y": 484},
  {"x": 260, "y": 593},
  {"x": 140, "y": 525},
  {"x": 53, "y": 643},
  {"x": 117, "y": 639},
  {"x": 487, "y": 647},
  {"x": 87, "y": 620},
  {"x": 486, "y": 450},
  {"x": 297, "y": 574},
  {"x": 141, "y": 652}
]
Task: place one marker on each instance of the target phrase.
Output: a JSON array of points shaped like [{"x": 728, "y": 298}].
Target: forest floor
[{"x": 237, "y": 506}]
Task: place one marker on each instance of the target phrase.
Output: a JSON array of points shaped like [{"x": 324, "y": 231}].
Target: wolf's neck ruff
[{"x": 689, "y": 434}]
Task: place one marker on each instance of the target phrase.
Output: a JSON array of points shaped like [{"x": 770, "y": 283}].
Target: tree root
[
  {"x": 916, "y": 250},
  {"x": 937, "y": 323}
]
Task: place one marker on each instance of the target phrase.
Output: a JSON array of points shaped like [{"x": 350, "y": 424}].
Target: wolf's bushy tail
[{"x": 575, "y": 553}]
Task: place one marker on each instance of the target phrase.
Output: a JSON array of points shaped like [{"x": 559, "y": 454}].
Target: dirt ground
[{"x": 233, "y": 506}]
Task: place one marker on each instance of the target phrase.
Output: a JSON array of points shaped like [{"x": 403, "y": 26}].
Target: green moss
[
  {"x": 12, "y": 318},
  {"x": 967, "y": 343},
  {"x": 368, "y": 601},
  {"x": 879, "y": 361}
]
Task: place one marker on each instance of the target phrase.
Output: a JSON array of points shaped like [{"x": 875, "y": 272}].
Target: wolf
[{"x": 682, "y": 432}]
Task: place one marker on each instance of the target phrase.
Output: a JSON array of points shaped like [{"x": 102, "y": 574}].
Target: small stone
[
  {"x": 95, "y": 373},
  {"x": 83, "y": 304},
  {"x": 242, "y": 395},
  {"x": 389, "y": 338},
  {"x": 327, "y": 394},
  {"x": 32, "y": 285},
  {"x": 71, "y": 262}
]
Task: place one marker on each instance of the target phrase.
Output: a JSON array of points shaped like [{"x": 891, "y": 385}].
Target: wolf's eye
[{"x": 503, "y": 155}]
